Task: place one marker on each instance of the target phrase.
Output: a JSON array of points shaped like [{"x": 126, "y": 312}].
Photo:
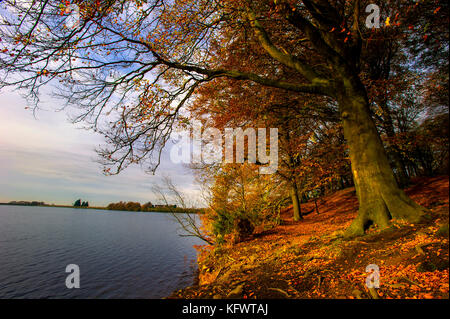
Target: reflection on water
[{"x": 120, "y": 254}]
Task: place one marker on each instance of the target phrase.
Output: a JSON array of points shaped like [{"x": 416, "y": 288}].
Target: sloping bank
[{"x": 311, "y": 259}]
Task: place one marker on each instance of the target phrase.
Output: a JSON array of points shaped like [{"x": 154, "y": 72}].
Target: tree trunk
[
  {"x": 401, "y": 174},
  {"x": 295, "y": 202},
  {"x": 379, "y": 196}
]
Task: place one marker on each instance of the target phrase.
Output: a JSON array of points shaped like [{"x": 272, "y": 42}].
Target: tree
[
  {"x": 241, "y": 199},
  {"x": 133, "y": 206},
  {"x": 158, "y": 54},
  {"x": 299, "y": 119},
  {"x": 309, "y": 156},
  {"x": 77, "y": 203},
  {"x": 385, "y": 73},
  {"x": 147, "y": 206},
  {"x": 116, "y": 206}
]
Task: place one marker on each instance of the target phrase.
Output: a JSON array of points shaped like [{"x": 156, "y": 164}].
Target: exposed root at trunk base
[{"x": 381, "y": 210}]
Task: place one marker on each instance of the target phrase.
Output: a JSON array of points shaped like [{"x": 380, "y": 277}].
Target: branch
[
  {"x": 318, "y": 85},
  {"x": 327, "y": 43},
  {"x": 278, "y": 55},
  {"x": 313, "y": 88},
  {"x": 186, "y": 220}
]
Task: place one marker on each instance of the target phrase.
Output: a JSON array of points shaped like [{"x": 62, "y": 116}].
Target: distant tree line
[
  {"x": 25, "y": 203},
  {"x": 128, "y": 206},
  {"x": 149, "y": 207}
]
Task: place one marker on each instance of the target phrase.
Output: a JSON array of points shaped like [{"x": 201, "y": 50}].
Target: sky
[{"x": 44, "y": 157}]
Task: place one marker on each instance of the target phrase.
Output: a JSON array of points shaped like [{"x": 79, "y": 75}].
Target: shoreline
[{"x": 152, "y": 210}]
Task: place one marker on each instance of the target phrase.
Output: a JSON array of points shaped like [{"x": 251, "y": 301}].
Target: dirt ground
[{"x": 311, "y": 259}]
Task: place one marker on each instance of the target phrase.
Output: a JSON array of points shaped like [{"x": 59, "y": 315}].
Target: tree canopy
[{"x": 134, "y": 68}]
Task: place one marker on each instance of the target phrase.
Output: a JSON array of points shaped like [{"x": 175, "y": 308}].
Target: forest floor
[{"x": 311, "y": 259}]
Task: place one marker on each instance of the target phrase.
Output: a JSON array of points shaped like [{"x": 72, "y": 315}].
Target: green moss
[
  {"x": 442, "y": 231},
  {"x": 426, "y": 266}
]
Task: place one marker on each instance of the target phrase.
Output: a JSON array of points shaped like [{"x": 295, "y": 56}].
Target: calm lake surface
[{"x": 120, "y": 254}]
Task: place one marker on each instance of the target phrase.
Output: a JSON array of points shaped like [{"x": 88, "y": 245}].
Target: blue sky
[{"x": 49, "y": 159}]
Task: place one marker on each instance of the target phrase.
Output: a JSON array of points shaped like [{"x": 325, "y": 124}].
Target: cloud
[{"x": 50, "y": 159}]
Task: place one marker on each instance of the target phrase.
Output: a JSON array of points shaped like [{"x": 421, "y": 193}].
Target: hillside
[{"x": 311, "y": 259}]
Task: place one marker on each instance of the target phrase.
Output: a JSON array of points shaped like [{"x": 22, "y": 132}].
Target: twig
[{"x": 410, "y": 281}]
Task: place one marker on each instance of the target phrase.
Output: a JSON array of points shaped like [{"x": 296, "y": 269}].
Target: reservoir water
[{"x": 119, "y": 254}]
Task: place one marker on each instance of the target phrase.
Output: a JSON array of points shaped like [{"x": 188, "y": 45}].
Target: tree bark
[
  {"x": 296, "y": 202},
  {"x": 380, "y": 198}
]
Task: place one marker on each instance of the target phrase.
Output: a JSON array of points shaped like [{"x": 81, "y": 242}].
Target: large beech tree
[{"x": 131, "y": 66}]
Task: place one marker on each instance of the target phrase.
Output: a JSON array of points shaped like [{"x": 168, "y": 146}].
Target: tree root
[
  {"x": 280, "y": 291},
  {"x": 410, "y": 281},
  {"x": 373, "y": 293},
  {"x": 357, "y": 293}
]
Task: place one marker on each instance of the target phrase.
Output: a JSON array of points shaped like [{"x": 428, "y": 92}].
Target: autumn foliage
[
  {"x": 354, "y": 105},
  {"x": 310, "y": 259}
]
